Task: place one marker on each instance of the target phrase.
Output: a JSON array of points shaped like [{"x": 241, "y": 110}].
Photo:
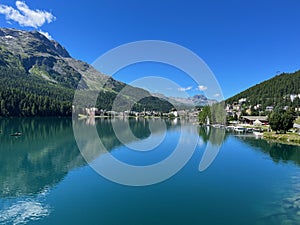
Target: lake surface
[{"x": 45, "y": 180}]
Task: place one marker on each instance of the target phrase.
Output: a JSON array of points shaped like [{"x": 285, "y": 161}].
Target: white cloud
[
  {"x": 46, "y": 34},
  {"x": 26, "y": 16},
  {"x": 202, "y": 88},
  {"x": 185, "y": 89},
  {"x": 217, "y": 95}
]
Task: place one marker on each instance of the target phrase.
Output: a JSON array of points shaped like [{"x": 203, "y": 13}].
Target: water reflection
[
  {"x": 35, "y": 162},
  {"x": 40, "y": 158},
  {"x": 285, "y": 207},
  {"x": 47, "y": 150},
  {"x": 31, "y": 165},
  {"x": 146, "y": 156},
  {"x": 204, "y": 133},
  {"x": 129, "y": 130},
  {"x": 279, "y": 153},
  {"x": 214, "y": 138}
]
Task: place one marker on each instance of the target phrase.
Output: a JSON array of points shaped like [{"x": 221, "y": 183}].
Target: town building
[{"x": 255, "y": 120}]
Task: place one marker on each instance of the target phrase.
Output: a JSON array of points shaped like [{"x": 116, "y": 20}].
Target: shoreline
[{"x": 288, "y": 138}]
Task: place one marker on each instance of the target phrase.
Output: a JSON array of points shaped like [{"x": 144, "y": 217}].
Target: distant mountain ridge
[
  {"x": 39, "y": 77},
  {"x": 201, "y": 100},
  {"x": 186, "y": 103}
]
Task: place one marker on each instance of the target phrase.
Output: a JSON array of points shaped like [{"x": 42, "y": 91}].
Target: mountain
[
  {"x": 187, "y": 103},
  {"x": 201, "y": 100},
  {"x": 279, "y": 91},
  {"x": 38, "y": 77}
]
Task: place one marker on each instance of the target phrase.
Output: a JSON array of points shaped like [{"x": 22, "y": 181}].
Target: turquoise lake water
[{"x": 45, "y": 180}]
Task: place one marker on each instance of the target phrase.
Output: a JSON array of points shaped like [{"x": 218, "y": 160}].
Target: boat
[
  {"x": 258, "y": 133},
  {"x": 207, "y": 121},
  {"x": 240, "y": 129},
  {"x": 16, "y": 134},
  {"x": 230, "y": 127},
  {"x": 249, "y": 130}
]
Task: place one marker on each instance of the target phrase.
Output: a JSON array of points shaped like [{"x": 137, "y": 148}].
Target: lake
[{"x": 44, "y": 178}]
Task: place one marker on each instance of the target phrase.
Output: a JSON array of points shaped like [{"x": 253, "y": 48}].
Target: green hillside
[
  {"x": 38, "y": 77},
  {"x": 274, "y": 92}
]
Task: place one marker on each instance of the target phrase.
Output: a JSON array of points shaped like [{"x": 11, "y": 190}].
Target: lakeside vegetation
[
  {"x": 278, "y": 129},
  {"x": 214, "y": 114},
  {"x": 287, "y": 138}
]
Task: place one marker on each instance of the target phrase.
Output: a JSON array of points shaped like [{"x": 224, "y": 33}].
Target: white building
[
  {"x": 293, "y": 96},
  {"x": 242, "y": 100}
]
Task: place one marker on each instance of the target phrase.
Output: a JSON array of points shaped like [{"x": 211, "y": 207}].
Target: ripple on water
[
  {"x": 24, "y": 210},
  {"x": 285, "y": 210}
]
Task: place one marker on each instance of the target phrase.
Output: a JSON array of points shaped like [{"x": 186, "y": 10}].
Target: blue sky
[{"x": 243, "y": 42}]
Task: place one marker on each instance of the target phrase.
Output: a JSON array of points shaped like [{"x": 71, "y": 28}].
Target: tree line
[
  {"x": 27, "y": 95},
  {"x": 273, "y": 92}
]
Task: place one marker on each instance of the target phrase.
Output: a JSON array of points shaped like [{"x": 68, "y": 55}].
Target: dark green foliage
[
  {"x": 152, "y": 104},
  {"x": 287, "y": 121},
  {"x": 281, "y": 121},
  {"x": 272, "y": 92},
  {"x": 218, "y": 114},
  {"x": 275, "y": 121},
  {"x": 25, "y": 95},
  {"x": 204, "y": 115},
  {"x": 214, "y": 113}
]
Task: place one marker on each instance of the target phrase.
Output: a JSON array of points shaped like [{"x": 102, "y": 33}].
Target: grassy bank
[{"x": 288, "y": 138}]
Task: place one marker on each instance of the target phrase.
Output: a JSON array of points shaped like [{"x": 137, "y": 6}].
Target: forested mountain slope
[
  {"x": 282, "y": 90},
  {"x": 38, "y": 77}
]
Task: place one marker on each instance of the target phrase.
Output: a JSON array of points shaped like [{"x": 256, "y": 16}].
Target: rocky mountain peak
[{"x": 30, "y": 43}]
